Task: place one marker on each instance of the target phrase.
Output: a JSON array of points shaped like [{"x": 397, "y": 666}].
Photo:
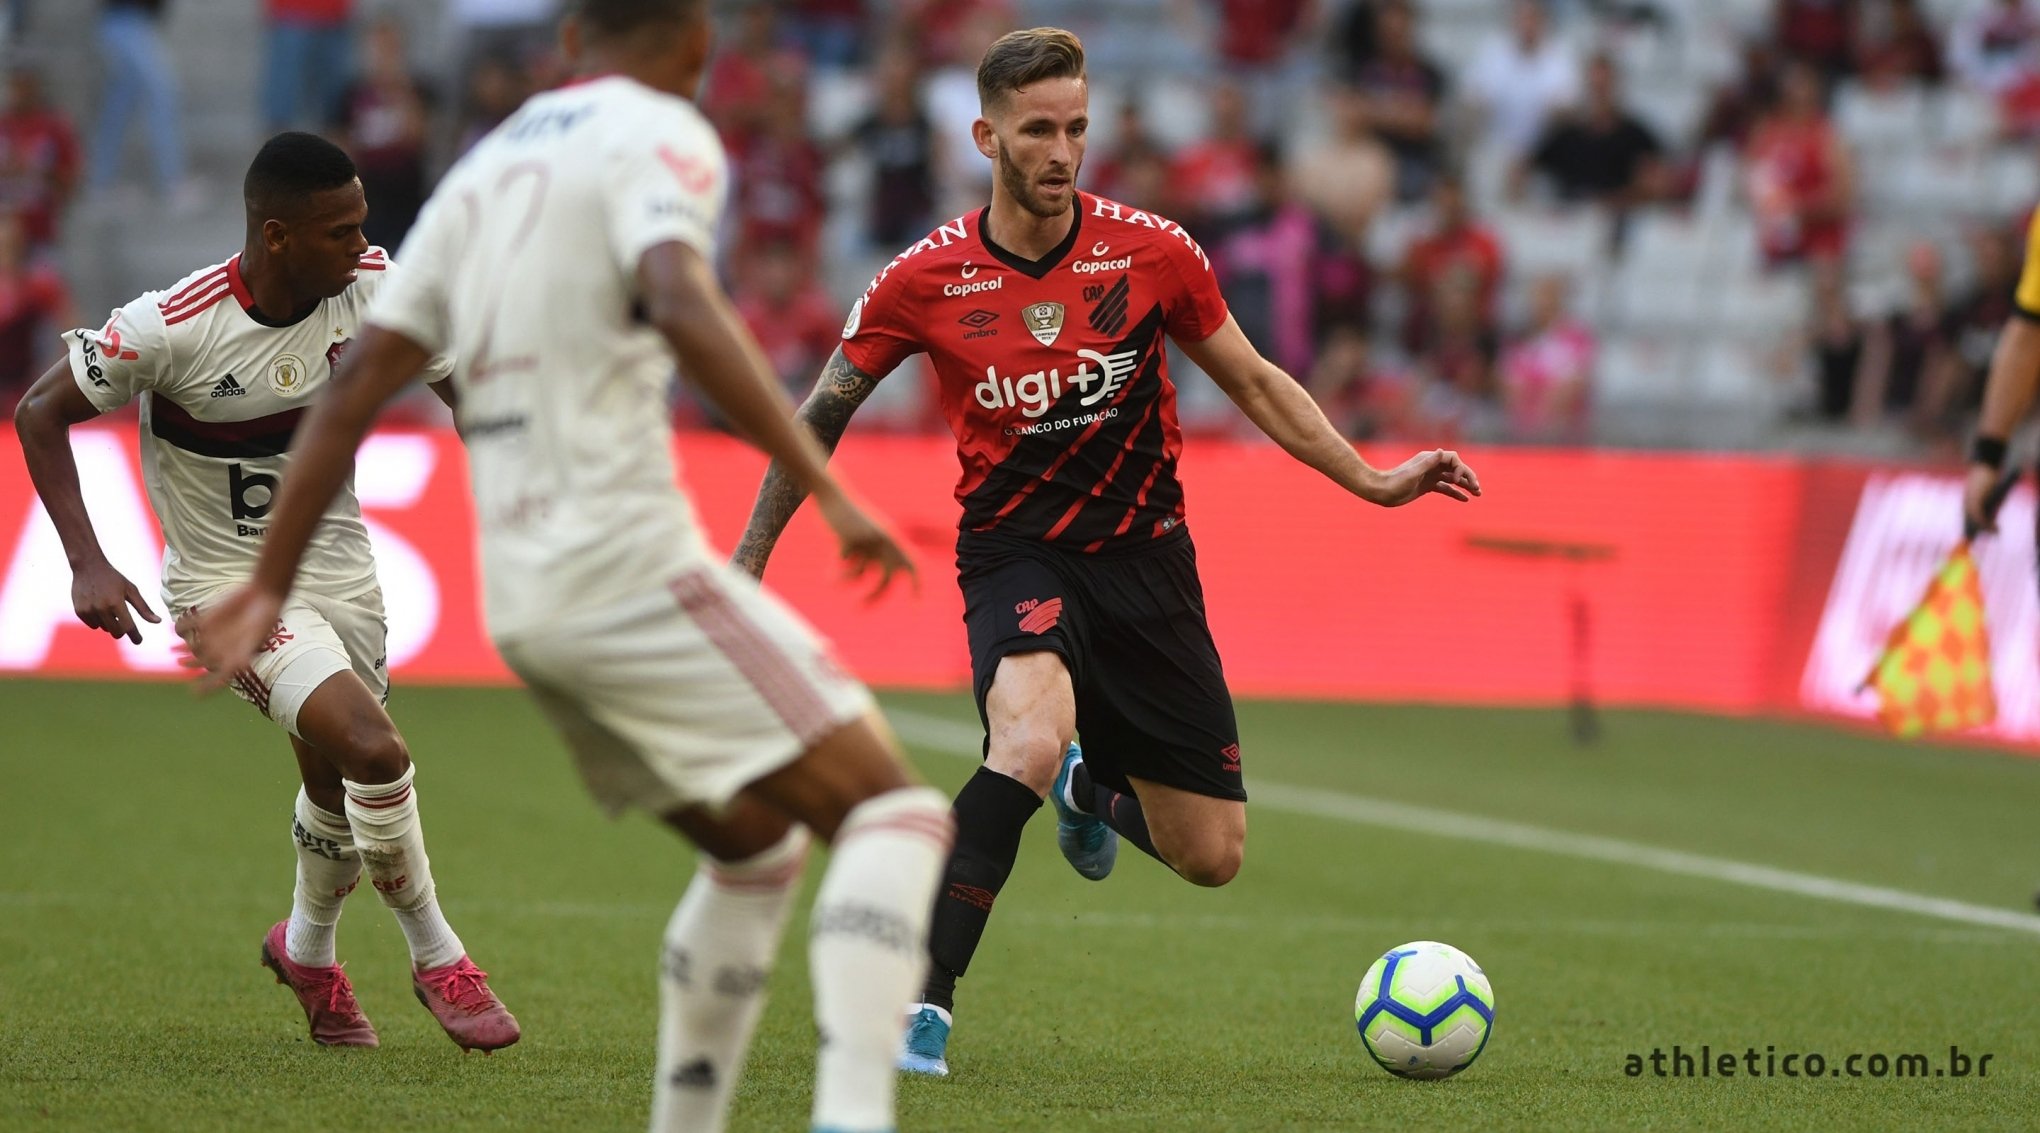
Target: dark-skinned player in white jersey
[{"x": 224, "y": 363}]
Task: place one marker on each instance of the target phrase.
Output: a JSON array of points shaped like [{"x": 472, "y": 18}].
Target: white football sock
[
  {"x": 868, "y": 947},
  {"x": 327, "y": 870},
  {"x": 384, "y": 817},
  {"x": 719, "y": 950}
]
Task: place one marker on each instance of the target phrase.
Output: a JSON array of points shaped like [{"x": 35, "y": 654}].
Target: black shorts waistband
[{"x": 972, "y": 545}]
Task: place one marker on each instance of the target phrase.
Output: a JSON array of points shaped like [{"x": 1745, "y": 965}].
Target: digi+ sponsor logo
[{"x": 1096, "y": 378}]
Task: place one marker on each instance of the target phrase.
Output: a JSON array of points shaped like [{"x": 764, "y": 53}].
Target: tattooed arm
[{"x": 840, "y": 390}]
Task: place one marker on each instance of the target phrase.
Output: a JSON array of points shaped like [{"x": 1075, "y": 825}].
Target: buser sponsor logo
[
  {"x": 1093, "y": 267},
  {"x": 1097, "y": 377},
  {"x": 94, "y": 372}
]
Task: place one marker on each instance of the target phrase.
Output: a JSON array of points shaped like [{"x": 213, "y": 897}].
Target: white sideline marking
[
  {"x": 1259, "y": 925},
  {"x": 1263, "y": 925},
  {"x": 950, "y": 737}
]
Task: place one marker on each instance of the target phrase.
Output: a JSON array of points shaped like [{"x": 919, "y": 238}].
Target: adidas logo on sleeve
[{"x": 227, "y": 387}]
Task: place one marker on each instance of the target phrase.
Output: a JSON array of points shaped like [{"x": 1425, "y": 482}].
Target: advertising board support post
[{"x": 1579, "y": 619}]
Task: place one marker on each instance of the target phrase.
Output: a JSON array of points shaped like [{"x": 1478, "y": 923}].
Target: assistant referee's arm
[{"x": 2009, "y": 390}]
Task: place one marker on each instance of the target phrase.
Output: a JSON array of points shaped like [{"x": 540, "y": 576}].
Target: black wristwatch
[{"x": 1987, "y": 451}]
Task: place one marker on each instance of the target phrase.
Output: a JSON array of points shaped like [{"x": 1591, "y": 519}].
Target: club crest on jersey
[
  {"x": 334, "y": 353},
  {"x": 287, "y": 375},
  {"x": 1044, "y": 321}
]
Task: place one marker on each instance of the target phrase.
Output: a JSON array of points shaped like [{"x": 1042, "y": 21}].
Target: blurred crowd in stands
[{"x": 1453, "y": 220}]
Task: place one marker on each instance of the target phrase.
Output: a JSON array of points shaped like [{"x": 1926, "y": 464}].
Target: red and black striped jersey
[{"x": 1053, "y": 373}]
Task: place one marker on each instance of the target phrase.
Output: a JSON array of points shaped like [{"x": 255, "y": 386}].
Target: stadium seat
[
  {"x": 2011, "y": 180},
  {"x": 1874, "y": 120},
  {"x": 837, "y": 101},
  {"x": 1764, "y": 307},
  {"x": 1541, "y": 241},
  {"x": 1962, "y": 117}
]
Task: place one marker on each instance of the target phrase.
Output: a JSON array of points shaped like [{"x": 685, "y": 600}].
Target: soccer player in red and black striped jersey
[{"x": 1045, "y": 316}]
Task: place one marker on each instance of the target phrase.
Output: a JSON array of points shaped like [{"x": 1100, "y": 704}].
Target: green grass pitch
[{"x": 145, "y": 851}]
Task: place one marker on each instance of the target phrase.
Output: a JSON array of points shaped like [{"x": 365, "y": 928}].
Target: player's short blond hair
[{"x": 1020, "y": 58}]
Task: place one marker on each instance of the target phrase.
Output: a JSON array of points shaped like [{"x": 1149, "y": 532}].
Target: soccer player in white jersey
[
  {"x": 225, "y": 363},
  {"x": 566, "y": 263}
]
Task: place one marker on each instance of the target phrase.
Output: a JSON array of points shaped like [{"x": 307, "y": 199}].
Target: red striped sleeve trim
[
  {"x": 195, "y": 309},
  {"x": 190, "y": 290},
  {"x": 776, "y": 678}
]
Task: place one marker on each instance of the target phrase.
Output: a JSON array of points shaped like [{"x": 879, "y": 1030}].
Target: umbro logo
[
  {"x": 227, "y": 387},
  {"x": 980, "y": 323}
]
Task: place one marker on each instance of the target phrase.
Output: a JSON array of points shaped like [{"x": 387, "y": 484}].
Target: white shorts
[
  {"x": 685, "y": 695},
  {"x": 316, "y": 637}
]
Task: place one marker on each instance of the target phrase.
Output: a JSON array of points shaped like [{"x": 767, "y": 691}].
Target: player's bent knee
[
  {"x": 1028, "y": 753},
  {"x": 1205, "y": 856},
  {"x": 1211, "y": 867},
  {"x": 373, "y": 751}
]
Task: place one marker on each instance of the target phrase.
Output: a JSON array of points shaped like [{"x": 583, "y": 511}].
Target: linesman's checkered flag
[{"x": 1934, "y": 673}]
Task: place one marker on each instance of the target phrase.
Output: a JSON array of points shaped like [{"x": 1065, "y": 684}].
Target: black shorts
[{"x": 1151, "y": 697}]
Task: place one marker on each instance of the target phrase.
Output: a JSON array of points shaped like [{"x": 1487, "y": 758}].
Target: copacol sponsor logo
[
  {"x": 1097, "y": 377},
  {"x": 1093, "y": 267},
  {"x": 972, "y": 288}
]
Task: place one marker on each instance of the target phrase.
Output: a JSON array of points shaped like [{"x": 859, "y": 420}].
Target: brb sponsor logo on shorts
[{"x": 1096, "y": 378}]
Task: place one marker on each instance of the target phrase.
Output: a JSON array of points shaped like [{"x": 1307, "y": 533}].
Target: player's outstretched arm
[
  {"x": 224, "y": 635},
  {"x": 826, "y": 412},
  {"x": 2007, "y": 397},
  {"x": 1283, "y": 409},
  {"x": 686, "y": 305},
  {"x": 100, "y": 595}
]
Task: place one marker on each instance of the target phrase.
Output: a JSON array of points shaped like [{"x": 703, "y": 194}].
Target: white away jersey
[
  {"x": 524, "y": 266},
  {"x": 221, "y": 394}
]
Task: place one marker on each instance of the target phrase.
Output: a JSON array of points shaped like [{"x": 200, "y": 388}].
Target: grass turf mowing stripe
[{"x": 952, "y": 737}]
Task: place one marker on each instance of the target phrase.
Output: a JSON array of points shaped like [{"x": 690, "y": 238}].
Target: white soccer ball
[{"x": 1425, "y": 1010}]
